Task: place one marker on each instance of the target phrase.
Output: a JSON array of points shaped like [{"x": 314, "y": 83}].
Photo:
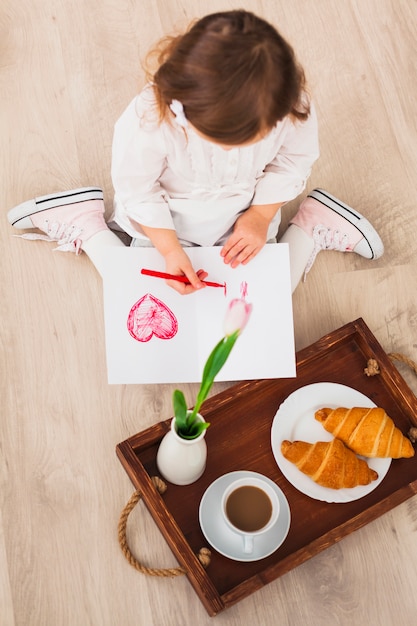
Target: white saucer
[{"x": 224, "y": 540}]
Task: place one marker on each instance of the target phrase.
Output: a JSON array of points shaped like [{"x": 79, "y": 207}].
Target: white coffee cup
[{"x": 250, "y": 512}]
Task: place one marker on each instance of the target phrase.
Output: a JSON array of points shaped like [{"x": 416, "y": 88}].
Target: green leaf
[
  {"x": 214, "y": 363},
  {"x": 195, "y": 431},
  {"x": 180, "y": 409}
]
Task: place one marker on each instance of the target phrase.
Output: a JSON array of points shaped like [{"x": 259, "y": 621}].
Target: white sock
[
  {"x": 300, "y": 246},
  {"x": 97, "y": 246}
]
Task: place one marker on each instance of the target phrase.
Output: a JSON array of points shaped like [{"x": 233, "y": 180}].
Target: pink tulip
[{"x": 237, "y": 316}]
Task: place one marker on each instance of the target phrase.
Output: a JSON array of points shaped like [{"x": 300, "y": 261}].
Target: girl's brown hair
[{"x": 235, "y": 76}]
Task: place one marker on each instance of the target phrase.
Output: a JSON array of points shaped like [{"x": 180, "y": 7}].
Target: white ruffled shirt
[{"x": 166, "y": 178}]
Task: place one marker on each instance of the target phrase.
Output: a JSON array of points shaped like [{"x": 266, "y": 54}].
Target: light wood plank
[{"x": 67, "y": 70}]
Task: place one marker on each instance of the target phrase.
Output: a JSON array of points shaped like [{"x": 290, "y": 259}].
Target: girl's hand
[
  {"x": 249, "y": 234},
  {"x": 248, "y": 238},
  {"x": 178, "y": 263}
]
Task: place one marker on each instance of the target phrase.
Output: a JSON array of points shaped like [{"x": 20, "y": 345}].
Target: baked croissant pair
[{"x": 368, "y": 432}]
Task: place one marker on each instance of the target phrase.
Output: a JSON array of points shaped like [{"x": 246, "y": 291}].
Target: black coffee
[{"x": 249, "y": 508}]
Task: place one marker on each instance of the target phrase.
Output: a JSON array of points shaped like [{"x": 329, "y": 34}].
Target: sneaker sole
[
  {"x": 374, "y": 244},
  {"x": 43, "y": 203}
]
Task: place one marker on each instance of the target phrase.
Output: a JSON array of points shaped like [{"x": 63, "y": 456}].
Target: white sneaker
[
  {"x": 334, "y": 225},
  {"x": 69, "y": 217}
]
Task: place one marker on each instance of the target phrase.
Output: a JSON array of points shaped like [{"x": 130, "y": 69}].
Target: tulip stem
[{"x": 215, "y": 362}]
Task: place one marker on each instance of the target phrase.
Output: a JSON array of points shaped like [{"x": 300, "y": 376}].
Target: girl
[{"x": 222, "y": 136}]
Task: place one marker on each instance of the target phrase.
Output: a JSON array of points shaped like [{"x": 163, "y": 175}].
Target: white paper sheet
[{"x": 265, "y": 348}]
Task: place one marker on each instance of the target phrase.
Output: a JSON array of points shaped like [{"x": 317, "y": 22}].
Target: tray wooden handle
[{"x": 203, "y": 555}]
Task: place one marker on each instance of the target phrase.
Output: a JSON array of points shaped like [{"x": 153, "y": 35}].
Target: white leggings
[{"x": 300, "y": 247}]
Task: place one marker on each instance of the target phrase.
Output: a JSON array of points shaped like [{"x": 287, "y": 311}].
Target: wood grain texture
[{"x": 67, "y": 70}]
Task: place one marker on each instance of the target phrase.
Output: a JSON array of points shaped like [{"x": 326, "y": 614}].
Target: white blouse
[{"x": 164, "y": 177}]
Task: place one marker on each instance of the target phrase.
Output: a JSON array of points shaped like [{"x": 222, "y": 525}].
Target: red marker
[{"x": 181, "y": 279}]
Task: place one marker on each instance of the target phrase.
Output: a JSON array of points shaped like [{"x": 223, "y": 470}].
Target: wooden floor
[{"x": 68, "y": 69}]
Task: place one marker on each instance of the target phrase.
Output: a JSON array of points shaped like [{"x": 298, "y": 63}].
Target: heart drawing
[{"x": 149, "y": 317}]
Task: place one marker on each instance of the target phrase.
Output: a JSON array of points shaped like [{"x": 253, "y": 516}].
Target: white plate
[
  {"x": 295, "y": 420},
  {"x": 223, "y": 539}
]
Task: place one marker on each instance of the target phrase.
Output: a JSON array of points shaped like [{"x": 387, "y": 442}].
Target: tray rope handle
[
  {"x": 203, "y": 555},
  {"x": 373, "y": 369}
]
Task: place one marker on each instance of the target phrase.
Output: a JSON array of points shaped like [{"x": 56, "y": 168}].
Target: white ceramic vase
[{"x": 182, "y": 461}]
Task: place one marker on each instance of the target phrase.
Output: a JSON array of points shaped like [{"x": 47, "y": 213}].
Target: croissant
[
  {"x": 369, "y": 432},
  {"x": 329, "y": 463}
]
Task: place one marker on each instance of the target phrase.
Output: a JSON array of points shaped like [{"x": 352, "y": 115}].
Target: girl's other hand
[
  {"x": 178, "y": 263},
  {"x": 248, "y": 238}
]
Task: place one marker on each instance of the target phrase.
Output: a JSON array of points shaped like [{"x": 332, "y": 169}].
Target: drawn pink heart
[{"x": 149, "y": 317}]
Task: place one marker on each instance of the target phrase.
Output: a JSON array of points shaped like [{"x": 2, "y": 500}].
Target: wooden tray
[{"x": 240, "y": 438}]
